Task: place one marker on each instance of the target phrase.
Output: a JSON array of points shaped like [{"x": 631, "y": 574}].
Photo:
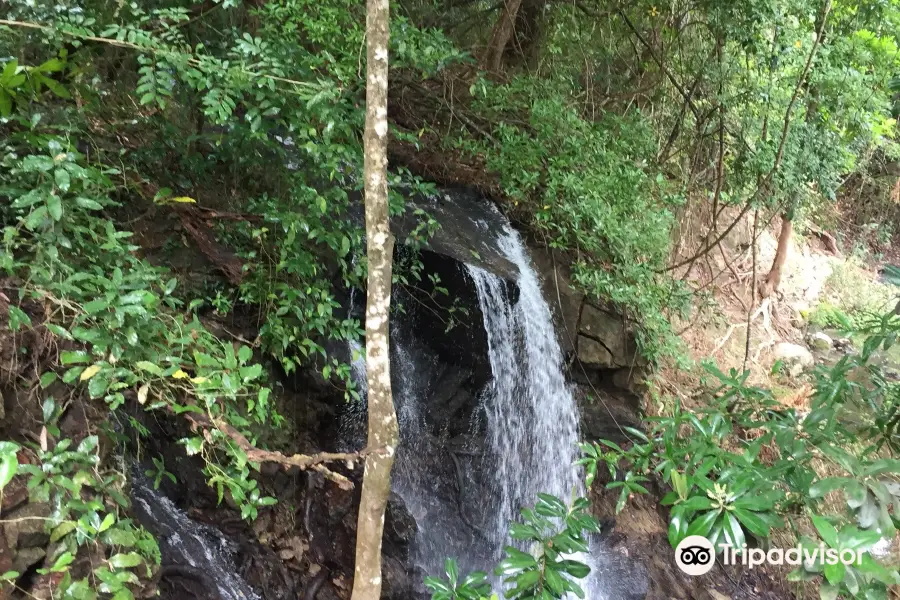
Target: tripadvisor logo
[{"x": 695, "y": 555}]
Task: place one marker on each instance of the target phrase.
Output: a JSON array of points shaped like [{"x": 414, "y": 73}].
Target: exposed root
[{"x": 764, "y": 310}]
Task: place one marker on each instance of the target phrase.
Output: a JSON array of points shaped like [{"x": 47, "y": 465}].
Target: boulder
[
  {"x": 27, "y": 558},
  {"x": 591, "y": 352},
  {"x": 25, "y": 526},
  {"x": 820, "y": 341},
  {"x": 610, "y": 331},
  {"x": 469, "y": 230},
  {"x": 796, "y": 357}
]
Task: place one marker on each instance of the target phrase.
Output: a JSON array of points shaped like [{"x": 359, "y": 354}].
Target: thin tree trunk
[
  {"x": 383, "y": 429},
  {"x": 773, "y": 280},
  {"x": 503, "y": 30}
]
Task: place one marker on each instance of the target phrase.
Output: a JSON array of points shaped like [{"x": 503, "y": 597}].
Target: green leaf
[
  {"x": 516, "y": 560},
  {"x": 64, "y": 560},
  {"x": 826, "y": 530},
  {"x": 108, "y": 521},
  {"x": 554, "y": 581},
  {"x": 733, "y": 531},
  {"x": 70, "y": 357},
  {"x": 62, "y": 530},
  {"x": 703, "y": 524},
  {"x": 205, "y": 360},
  {"x": 18, "y": 318},
  {"x": 5, "y": 103},
  {"x": 576, "y": 569},
  {"x": 835, "y": 573},
  {"x": 63, "y": 181},
  {"x": 97, "y": 386},
  {"x": 829, "y": 592},
  {"x": 9, "y": 464},
  {"x": 679, "y": 483},
  {"x": 752, "y": 522},
  {"x": 88, "y": 444},
  {"x": 95, "y": 306},
  {"x": 148, "y": 366},
  {"x": 193, "y": 445},
  {"x": 550, "y": 506},
  {"x": 244, "y": 354},
  {"x": 678, "y": 527},
  {"x": 436, "y": 585},
  {"x": 451, "y": 569},
  {"x": 858, "y": 539},
  {"x": 124, "y": 561},
  {"x": 827, "y": 485},
  {"x": 88, "y": 203},
  {"x": 48, "y": 378},
  {"x": 696, "y": 503},
  {"x": 57, "y": 330}
]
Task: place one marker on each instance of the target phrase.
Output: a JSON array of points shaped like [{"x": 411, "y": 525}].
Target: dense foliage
[
  {"x": 166, "y": 164},
  {"x": 746, "y": 465}
]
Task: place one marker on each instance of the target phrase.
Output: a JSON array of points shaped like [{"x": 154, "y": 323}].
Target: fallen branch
[
  {"x": 219, "y": 255},
  {"x": 316, "y": 462}
]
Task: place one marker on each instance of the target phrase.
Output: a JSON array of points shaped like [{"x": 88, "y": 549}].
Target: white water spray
[
  {"x": 531, "y": 428},
  {"x": 532, "y": 416}
]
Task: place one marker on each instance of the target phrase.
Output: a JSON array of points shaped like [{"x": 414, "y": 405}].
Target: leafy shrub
[
  {"x": 588, "y": 188},
  {"x": 852, "y": 290},
  {"x": 746, "y": 465},
  {"x": 555, "y": 533}
]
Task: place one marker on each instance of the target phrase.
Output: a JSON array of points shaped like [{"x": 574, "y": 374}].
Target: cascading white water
[
  {"x": 531, "y": 425},
  {"x": 184, "y": 541},
  {"x": 532, "y": 417}
]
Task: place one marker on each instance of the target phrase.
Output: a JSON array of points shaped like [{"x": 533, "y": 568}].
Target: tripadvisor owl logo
[{"x": 695, "y": 555}]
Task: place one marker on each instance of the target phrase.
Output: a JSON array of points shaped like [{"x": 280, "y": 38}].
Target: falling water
[
  {"x": 532, "y": 416},
  {"x": 186, "y": 542},
  {"x": 531, "y": 425}
]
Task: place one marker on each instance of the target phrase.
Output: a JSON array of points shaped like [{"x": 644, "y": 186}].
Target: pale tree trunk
[
  {"x": 773, "y": 280},
  {"x": 500, "y": 36},
  {"x": 383, "y": 430}
]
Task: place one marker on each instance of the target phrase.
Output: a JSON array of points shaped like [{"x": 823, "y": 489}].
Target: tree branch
[{"x": 301, "y": 461}]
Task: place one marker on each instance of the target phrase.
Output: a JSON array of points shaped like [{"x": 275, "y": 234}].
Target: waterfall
[
  {"x": 532, "y": 417},
  {"x": 530, "y": 428},
  {"x": 184, "y": 541}
]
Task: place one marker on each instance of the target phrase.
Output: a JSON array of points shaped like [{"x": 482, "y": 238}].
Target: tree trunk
[
  {"x": 773, "y": 280},
  {"x": 383, "y": 429},
  {"x": 493, "y": 55}
]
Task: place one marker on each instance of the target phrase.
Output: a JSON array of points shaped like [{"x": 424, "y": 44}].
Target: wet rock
[
  {"x": 396, "y": 581},
  {"x": 605, "y": 415},
  {"x": 468, "y": 232},
  {"x": 820, "y": 341},
  {"x": 563, "y": 298},
  {"x": 629, "y": 380},
  {"x": 400, "y": 527},
  {"x": 796, "y": 357}
]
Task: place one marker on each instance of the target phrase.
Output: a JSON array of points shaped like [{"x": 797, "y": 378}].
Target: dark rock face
[{"x": 468, "y": 229}]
